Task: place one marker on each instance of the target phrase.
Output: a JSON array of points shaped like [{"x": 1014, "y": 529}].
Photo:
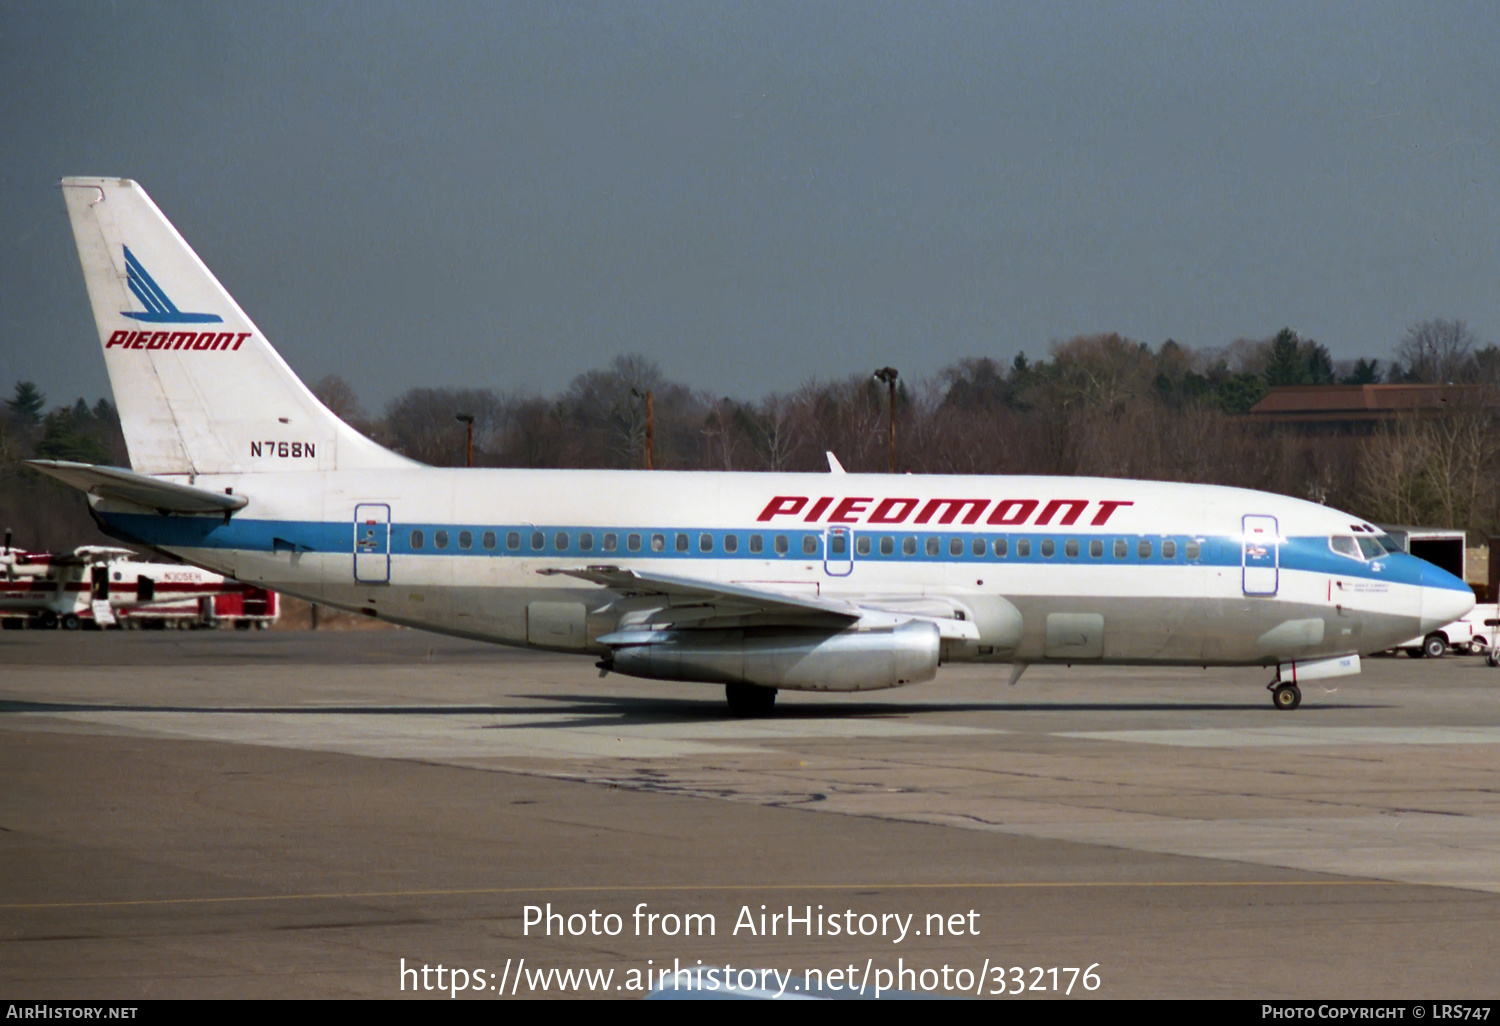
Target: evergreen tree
[
  {"x": 1286, "y": 364},
  {"x": 28, "y": 403},
  {"x": 1366, "y": 372},
  {"x": 1319, "y": 364}
]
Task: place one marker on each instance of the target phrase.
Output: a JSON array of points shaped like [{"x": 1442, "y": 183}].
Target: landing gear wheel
[
  {"x": 1477, "y": 647},
  {"x": 749, "y": 700},
  {"x": 1435, "y": 646},
  {"x": 1493, "y": 658},
  {"x": 1286, "y": 696},
  {"x": 70, "y": 622}
]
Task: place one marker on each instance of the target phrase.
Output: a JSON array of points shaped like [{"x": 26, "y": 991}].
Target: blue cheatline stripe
[{"x": 1305, "y": 554}]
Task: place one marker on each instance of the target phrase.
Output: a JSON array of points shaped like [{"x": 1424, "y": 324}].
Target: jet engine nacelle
[{"x": 797, "y": 660}]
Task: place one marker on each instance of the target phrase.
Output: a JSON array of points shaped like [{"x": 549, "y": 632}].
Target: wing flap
[
  {"x": 696, "y": 592},
  {"x": 138, "y": 489},
  {"x": 693, "y": 600}
]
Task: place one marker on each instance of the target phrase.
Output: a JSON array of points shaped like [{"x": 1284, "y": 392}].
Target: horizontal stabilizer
[{"x": 138, "y": 489}]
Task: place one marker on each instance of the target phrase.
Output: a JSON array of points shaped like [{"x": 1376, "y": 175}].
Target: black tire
[
  {"x": 1286, "y": 697},
  {"x": 70, "y": 622},
  {"x": 1493, "y": 658},
  {"x": 1478, "y": 647},
  {"x": 47, "y": 621},
  {"x": 1435, "y": 646},
  {"x": 750, "y": 700}
]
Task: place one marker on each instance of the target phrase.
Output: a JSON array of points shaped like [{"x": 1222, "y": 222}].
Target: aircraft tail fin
[{"x": 199, "y": 388}]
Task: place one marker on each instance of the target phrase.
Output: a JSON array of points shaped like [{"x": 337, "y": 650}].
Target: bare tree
[
  {"x": 1437, "y": 351},
  {"x": 339, "y": 396}
]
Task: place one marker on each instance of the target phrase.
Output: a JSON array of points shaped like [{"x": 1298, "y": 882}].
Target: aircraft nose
[{"x": 1445, "y": 598}]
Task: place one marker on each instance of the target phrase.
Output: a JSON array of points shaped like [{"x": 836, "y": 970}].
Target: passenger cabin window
[
  {"x": 658, "y": 543},
  {"x": 682, "y": 543},
  {"x": 1023, "y": 547},
  {"x": 611, "y": 542},
  {"x": 887, "y": 546},
  {"x": 838, "y": 544},
  {"x": 1191, "y": 550},
  {"x": 1096, "y": 548},
  {"x": 586, "y": 542},
  {"x": 1070, "y": 548},
  {"x": 955, "y": 547},
  {"x": 1121, "y": 548},
  {"x": 440, "y": 539},
  {"x": 978, "y": 547},
  {"x": 633, "y": 542},
  {"x": 488, "y": 539},
  {"x": 416, "y": 540},
  {"x": 809, "y": 545},
  {"x": 705, "y": 542},
  {"x": 731, "y": 543},
  {"x": 561, "y": 540},
  {"x": 1169, "y": 549},
  {"x": 780, "y": 545},
  {"x": 1048, "y": 548},
  {"x": 862, "y": 545},
  {"x": 538, "y": 541},
  {"x": 513, "y": 540},
  {"x": 1143, "y": 548},
  {"x": 465, "y": 539},
  {"x": 908, "y": 546},
  {"x": 1002, "y": 547},
  {"x": 757, "y": 544},
  {"x": 932, "y": 546}
]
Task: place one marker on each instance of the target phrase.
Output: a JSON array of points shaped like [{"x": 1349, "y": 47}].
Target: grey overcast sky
[{"x": 505, "y": 195}]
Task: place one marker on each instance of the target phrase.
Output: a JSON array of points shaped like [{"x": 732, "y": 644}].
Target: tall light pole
[
  {"x": 889, "y": 376},
  {"x": 467, "y": 419},
  {"x": 650, "y": 426}
]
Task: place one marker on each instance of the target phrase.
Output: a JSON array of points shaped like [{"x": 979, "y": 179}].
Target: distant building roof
[{"x": 1312, "y": 403}]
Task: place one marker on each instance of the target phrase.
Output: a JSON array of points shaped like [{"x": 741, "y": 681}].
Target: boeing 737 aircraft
[{"x": 758, "y": 581}]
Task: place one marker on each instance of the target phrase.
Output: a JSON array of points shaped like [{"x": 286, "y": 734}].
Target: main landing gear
[
  {"x": 750, "y": 700},
  {"x": 1284, "y": 696}
]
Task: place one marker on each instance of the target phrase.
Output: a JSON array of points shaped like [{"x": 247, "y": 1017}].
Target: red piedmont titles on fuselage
[
  {"x": 216, "y": 341},
  {"x": 891, "y": 511}
]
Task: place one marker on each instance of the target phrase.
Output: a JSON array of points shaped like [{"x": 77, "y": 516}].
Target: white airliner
[{"x": 758, "y": 581}]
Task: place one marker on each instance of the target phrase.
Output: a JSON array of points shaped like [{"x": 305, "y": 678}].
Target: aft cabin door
[
  {"x": 372, "y": 543},
  {"x": 1261, "y": 555}
]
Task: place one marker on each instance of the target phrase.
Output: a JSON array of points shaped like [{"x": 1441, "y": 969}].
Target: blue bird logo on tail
[{"x": 159, "y": 309}]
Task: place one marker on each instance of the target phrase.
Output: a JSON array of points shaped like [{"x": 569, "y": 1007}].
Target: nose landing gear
[{"x": 1285, "y": 696}]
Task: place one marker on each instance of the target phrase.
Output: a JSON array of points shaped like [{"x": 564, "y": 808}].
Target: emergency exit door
[
  {"x": 372, "y": 543},
  {"x": 1260, "y": 551}
]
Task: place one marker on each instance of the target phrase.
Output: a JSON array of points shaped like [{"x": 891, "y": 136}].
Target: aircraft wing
[
  {"x": 147, "y": 492},
  {"x": 692, "y": 591},
  {"x": 692, "y": 600}
]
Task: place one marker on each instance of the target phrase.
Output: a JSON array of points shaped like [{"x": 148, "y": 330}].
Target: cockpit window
[
  {"x": 1388, "y": 543},
  {"x": 1370, "y": 547},
  {"x": 1344, "y": 546}
]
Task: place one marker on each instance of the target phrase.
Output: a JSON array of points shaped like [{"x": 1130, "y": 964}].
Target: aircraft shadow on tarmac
[{"x": 627, "y": 710}]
